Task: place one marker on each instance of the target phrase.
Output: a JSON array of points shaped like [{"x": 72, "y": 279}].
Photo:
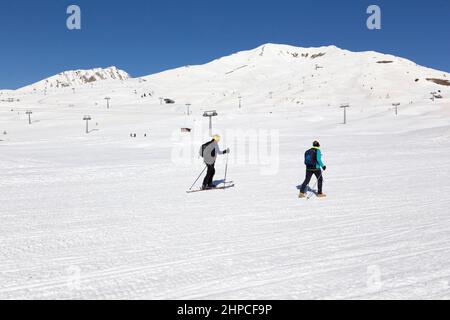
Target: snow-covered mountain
[
  {"x": 75, "y": 78},
  {"x": 274, "y": 75},
  {"x": 280, "y": 74}
]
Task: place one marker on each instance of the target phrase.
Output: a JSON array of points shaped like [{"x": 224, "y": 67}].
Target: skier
[
  {"x": 209, "y": 152},
  {"x": 314, "y": 164}
]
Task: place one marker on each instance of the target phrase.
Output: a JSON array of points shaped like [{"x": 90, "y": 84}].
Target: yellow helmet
[{"x": 216, "y": 137}]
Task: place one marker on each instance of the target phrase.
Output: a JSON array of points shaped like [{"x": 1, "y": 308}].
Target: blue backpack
[{"x": 311, "y": 159}]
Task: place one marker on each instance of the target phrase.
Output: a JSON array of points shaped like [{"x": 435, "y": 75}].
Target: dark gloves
[
  {"x": 324, "y": 168},
  {"x": 227, "y": 151}
]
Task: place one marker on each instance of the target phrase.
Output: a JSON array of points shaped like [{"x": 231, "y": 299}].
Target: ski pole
[
  {"x": 310, "y": 195},
  {"x": 197, "y": 178},
  {"x": 226, "y": 170}
]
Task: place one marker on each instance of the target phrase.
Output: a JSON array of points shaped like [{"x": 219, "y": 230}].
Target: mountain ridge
[
  {"x": 275, "y": 74},
  {"x": 76, "y": 78}
]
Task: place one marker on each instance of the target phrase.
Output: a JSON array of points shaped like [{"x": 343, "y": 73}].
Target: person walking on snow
[
  {"x": 314, "y": 164},
  {"x": 209, "y": 152}
]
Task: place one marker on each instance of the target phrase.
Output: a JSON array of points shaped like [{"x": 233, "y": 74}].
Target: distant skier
[
  {"x": 314, "y": 164},
  {"x": 208, "y": 152}
]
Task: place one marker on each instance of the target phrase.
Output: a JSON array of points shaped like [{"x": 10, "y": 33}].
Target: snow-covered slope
[
  {"x": 280, "y": 74},
  {"x": 272, "y": 75},
  {"x": 106, "y": 216},
  {"x": 76, "y": 78}
]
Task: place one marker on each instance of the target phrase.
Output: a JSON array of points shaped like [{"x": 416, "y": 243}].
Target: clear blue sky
[{"x": 147, "y": 36}]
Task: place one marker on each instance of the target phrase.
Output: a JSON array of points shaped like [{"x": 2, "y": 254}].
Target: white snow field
[{"x": 106, "y": 216}]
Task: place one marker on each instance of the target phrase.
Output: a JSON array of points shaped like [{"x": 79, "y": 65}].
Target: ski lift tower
[
  {"x": 188, "y": 111},
  {"x": 345, "y": 106},
  {"x": 187, "y": 114},
  {"x": 87, "y": 118},
  {"x": 29, "y": 113},
  {"x": 396, "y": 107},
  {"x": 210, "y": 114},
  {"x": 107, "y": 102}
]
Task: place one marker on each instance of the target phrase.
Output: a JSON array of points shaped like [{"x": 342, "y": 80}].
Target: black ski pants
[
  {"x": 309, "y": 174},
  {"x": 209, "y": 175}
]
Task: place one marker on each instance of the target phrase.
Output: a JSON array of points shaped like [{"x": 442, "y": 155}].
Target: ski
[
  {"x": 314, "y": 193},
  {"x": 217, "y": 188},
  {"x": 309, "y": 194}
]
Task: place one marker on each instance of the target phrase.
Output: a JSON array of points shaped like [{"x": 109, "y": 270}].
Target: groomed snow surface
[{"x": 106, "y": 216}]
